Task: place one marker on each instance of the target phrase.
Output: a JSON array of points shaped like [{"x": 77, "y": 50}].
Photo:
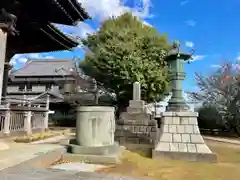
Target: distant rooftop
[{"x": 45, "y": 67}]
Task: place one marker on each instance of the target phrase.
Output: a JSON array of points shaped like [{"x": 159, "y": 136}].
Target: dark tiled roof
[
  {"x": 45, "y": 67},
  {"x": 39, "y": 38}
]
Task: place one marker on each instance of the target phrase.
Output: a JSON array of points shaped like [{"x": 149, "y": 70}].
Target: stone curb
[
  {"x": 235, "y": 142},
  {"x": 50, "y": 140}
]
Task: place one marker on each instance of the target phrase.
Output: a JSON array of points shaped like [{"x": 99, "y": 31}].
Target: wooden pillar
[
  {"x": 46, "y": 115},
  {"x": 6, "y": 129},
  {"x": 7, "y": 68},
  {"x": 3, "y": 42},
  {"x": 27, "y": 121}
]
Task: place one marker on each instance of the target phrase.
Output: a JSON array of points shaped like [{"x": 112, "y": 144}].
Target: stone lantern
[
  {"x": 179, "y": 136},
  {"x": 175, "y": 60}
]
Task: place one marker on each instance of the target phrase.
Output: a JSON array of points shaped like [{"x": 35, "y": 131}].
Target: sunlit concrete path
[
  {"x": 50, "y": 174},
  {"x": 14, "y": 165},
  {"x": 20, "y": 152}
]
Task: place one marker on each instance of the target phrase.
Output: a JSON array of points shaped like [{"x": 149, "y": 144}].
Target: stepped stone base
[
  {"x": 107, "y": 154},
  {"x": 135, "y": 126},
  {"x": 180, "y": 138}
]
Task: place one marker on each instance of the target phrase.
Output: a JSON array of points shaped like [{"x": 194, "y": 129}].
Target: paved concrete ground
[
  {"x": 18, "y": 153},
  {"x": 14, "y": 165},
  {"x": 50, "y": 174},
  {"x": 78, "y": 166}
]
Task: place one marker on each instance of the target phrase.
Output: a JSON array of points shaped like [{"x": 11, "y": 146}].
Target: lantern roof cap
[{"x": 176, "y": 53}]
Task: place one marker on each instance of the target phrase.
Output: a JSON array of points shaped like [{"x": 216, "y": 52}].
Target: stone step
[
  {"x": 133, "y": 110},
  {"x": 135, "y": 116},
  {"x": 136, "y": 104}
]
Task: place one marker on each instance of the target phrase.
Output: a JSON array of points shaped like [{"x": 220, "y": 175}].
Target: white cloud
[
  {"x": 18, "y": 58},
  {"x": 102, "y": 10},
  {"x": 198, "y": 57},
  {"x": 238, "y": 57},
  {"x": 34, "y": 55},
  {"x": 182, "y": 3},
  {"x": 189, "y": 44},
  {"x": 13, "y": 62},
  {"x": 79, "y": 31},
  {"x": 191, "y": 23},
  {"x": 49, "y": 57},
  {"x": 215, "y": 65},
  {"x": 23, "y": 58},
  {"x": 147, "y": 24},
  {"x": 85, "y": 30}
]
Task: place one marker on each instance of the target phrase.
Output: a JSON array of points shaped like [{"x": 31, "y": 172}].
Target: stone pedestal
[
  {"x": 95, "y": 134},
  {"x": 136, "y": 106},
  {"x": 135, "y": 126},
  {"x": 180, "y": 138}
]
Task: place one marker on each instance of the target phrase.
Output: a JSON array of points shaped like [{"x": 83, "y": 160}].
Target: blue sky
[{"x": 210, "y": 27}]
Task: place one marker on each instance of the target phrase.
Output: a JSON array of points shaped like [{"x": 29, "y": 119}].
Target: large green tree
[{"x": 123, "y": 51}]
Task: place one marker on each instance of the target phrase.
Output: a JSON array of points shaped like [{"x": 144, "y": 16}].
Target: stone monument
[
  {"x": 179, "y": 135},
  {"x": 135, "y": 125},
  {"x": 95, "y": 127}
]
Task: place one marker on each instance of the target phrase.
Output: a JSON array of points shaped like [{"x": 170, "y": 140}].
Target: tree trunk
[
  {"x": 237, "y": 130},
  {"x": 122, "y": 104}
]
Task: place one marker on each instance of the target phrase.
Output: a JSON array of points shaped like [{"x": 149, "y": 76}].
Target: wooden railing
[
  {"x": 16, "y": 121},
  {"x": 1, "y": 122},
  {"x": 37, "y": 120},
  {"x": 23, "y": 117}
]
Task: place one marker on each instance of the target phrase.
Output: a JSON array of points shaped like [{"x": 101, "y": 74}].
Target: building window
[
  {"x": 29, "y": 87},
  {"x": 48, "y": 86},
  {"x": 21, "y": 87}
]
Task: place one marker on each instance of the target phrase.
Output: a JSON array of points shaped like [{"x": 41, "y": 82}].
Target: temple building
[
  {"x": 27, "y": 27},
  {"x": 55, "y": 79},
  {"x": 44, "y": 76}
]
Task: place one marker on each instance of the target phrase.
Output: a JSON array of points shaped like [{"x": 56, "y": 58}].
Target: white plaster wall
[
  {"x": 12, "y": 89},
  {"x": 38, "y": 88}
]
